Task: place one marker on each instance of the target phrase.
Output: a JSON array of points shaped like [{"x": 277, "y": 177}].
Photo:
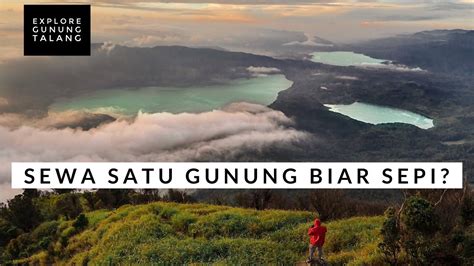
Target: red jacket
[{"x": 317, "y": 233}]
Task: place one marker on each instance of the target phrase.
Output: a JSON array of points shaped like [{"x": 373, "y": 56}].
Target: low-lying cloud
[
  {"x": 391, "y": 66},
  {"x": 237, "y": 131},
  {"x": 57, "y": 120},
  {"x": 262, "y": 71}
]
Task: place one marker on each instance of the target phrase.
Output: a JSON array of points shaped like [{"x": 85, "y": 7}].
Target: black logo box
[{"x": 57, "y": 12}]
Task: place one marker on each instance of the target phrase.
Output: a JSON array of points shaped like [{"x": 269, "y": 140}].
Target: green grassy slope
[{"x": 198, "y": 233}]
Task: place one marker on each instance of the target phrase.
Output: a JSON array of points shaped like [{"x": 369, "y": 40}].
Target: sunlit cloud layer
[
  {"x": 235, "y": 132},
  {"x": 204, "y": 23}
]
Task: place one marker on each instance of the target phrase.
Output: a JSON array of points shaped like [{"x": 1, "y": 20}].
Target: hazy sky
[{"x": 195, "y": 22}]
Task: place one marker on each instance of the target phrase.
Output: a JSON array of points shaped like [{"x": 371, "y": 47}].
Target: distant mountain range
[{"x": 441, "y": 51}]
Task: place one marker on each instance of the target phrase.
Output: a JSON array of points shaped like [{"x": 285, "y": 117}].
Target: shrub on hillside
[
  {"x": 418, "y": 215},
  {"x": 45, "y": 233},
  {"x": 7, "y": 232},
  {"x": 428, "y": 232},
  {"x": 19, "y": 247},
  {"x": 81, "y": 222},
  {"x": 419, "y": 223},
  {"x": 22, "y": 212},
  {"x": 68, "y": 205},
  {"x": 390, "y": 232}
]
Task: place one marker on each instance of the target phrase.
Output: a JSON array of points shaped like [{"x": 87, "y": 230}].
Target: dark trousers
[{"x": 313, "y": 248}]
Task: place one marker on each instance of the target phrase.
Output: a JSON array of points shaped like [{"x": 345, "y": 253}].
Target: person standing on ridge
[{"x": 317, "y": 233}]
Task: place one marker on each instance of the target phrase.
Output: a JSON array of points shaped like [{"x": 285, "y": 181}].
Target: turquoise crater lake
[
  {"x": 374, "y": 114},
  {"x": 344, "y": 59},
  {"x": 128, "y": 101}
]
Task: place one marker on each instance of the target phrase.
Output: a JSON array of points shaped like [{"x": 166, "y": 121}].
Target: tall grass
[{"x": 198, "y": 233}]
